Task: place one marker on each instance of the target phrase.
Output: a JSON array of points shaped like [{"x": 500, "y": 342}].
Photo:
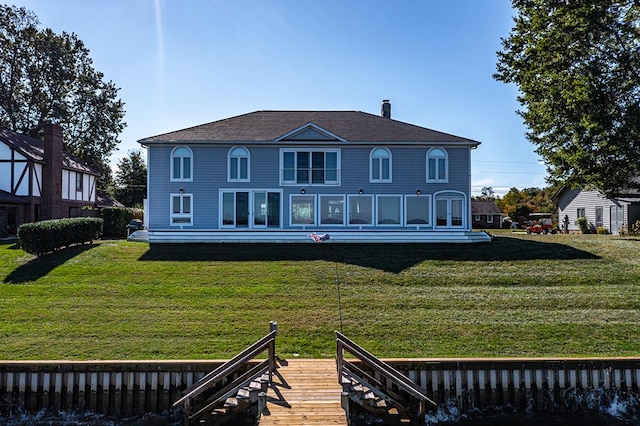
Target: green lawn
[{"x": 539, "y": 295}]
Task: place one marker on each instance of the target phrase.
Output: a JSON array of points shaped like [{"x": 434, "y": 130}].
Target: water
[{"x": 591, "y": 413}]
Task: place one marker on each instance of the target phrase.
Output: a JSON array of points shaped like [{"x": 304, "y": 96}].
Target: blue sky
[{"x": 183, "y": 63}]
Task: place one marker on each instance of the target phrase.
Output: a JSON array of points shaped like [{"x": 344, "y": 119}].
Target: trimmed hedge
[
  {"x": 116, "y": 220},
  {"x": 49, "y": 235}
]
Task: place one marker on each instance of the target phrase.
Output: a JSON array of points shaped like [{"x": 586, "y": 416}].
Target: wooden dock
[{"x": 305, "y": 392}]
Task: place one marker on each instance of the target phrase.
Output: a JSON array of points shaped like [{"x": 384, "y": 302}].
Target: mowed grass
[{"x": 553, "y": 295}]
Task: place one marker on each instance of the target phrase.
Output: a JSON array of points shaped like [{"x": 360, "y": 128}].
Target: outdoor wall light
[
  {"x": 302, "y": 191},
  {"x": 181, "y": 190},
  {"x": 418, "y": 192},
  {"x": 360, "y": 191}
]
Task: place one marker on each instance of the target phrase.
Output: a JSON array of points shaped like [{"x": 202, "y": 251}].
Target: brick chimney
[
  {"x": 386, "y": 109},
  {"x": 52, "y": 173}
]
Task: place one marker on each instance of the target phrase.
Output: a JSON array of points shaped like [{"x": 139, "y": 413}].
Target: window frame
[
  {"x": 343, "y": 213},
  {"x": 79, "y": 182},
  {"x": 429, "y": 211},
  {"x": 181, "y": 178},
  {"x": 437, "y": 173},
  {"x": 313, "y": 214},
  {"x": 310, "y": 170},
  {"x": 350, "y": 198},
  {"x": 379, "y": 165},
  {"x": 581, "y": 212},
  {"x": 173, "y": 216},
  {"x": 489, "y": 218},
  {"x": 450, "y": 197},
  {"x": 238, "y": 159},
  {"x": 400, "y": 200}
]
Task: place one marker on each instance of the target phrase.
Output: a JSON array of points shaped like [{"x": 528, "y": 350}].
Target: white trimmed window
[
  {"x": 304, "y": 167},
  {"x": 449, "y": 210},
  {"x": 417, "y": 210},
  {"x": 181, "y": 209},
  {"x": 332, "y": 210},
  {"x": 380, "y": 165},
  {"x": 181, "y": 162},
  {"x": 303, "y": 210},
  {"x": 238, "y": 170},
  {"x": 389, "y": 210},
  {"x": 437, "y": 170},
  {"x": 360, "y": 210},
  {"x": 489, "y": 218}
]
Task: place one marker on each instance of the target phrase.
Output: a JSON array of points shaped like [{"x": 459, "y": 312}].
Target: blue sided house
[{"x": 305, "y": 176}]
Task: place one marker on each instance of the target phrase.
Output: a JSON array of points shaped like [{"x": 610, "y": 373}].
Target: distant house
[
  {"x": 39, "y": 180},
  {"x": 485, "y": 215},
  {"x": 613, "y": 214},
  {"x": 277, "y": 176}
]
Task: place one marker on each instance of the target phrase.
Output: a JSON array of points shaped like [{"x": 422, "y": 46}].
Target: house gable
[{"x": 310, "y": 132}]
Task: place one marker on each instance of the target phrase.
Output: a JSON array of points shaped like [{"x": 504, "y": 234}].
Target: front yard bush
[
  {"x": 116, "y": 220},
  {"x": 39, "y": 238}
]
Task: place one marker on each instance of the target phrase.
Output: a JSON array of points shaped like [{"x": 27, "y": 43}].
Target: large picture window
[
  {"x": 380, "y": 165},
  {"x": 181, "y": 164},
  {"x": 389, "y": 210},
  {"x": 181, "y": 209},
  {"x": 238, "y": 164},
  {"x": 310, "y": 167},
  {"x": 360, "y": 210},
  {"x": 418, "y": 210},
  {"x": 303, "y": 210},
  {"x": 437, "y": 165},
  {"x": 332, "y": 210}
]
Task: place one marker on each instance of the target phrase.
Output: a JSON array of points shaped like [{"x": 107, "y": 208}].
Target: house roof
[
  {"x": 105, "y": 200},
  {"x": 485, "y": 207},
  {"x": 274, "y": 126},
  {"x": 33, "y": 149},
  {"x": 8, "y": 198}
]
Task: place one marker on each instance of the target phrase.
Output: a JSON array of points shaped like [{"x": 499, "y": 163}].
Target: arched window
[
  {"x": 181, "y": 164},
  {"x": 380, "y": 165},
  {"x": 238, "y": 169},
  {"x": 437, "y": 170}
]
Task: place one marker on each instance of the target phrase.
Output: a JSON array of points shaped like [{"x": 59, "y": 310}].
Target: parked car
[{"x": 541, "y": 223}]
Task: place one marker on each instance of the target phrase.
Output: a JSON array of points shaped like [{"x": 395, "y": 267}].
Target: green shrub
[
  {"x": 49, "y": 235},
  {"x": 635, "y": 228},
  {"x": 602, "y": 230},
  {"x": 116, "y": 220},
  {"x": 584, "y": 225}
]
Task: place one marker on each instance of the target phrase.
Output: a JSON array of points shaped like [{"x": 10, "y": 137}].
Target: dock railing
[
  {"x": 228, "y": 372},
  {"x": 389, "y": 383}
]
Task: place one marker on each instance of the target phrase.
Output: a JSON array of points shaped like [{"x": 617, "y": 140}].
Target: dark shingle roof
[
  {"x": 268, "y": 126},
  {"x": 33, "y": 149},
  {"x": 485, "y": 207}
]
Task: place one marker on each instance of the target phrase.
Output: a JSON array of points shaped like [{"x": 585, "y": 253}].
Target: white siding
[
  {"x": 5, "y": 177},
  {"x": 572, "y": 200},
  {"x": 18, "y": 169}
]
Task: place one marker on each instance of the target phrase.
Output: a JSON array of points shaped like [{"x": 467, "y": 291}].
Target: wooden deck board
[{"x": 309, "y": 394}]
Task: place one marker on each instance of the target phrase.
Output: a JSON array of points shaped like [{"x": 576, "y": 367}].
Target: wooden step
[{"x": 310, "y": 395}]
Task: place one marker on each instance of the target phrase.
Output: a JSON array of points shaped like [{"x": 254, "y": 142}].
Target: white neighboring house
[{"x": 612, "y": 214}]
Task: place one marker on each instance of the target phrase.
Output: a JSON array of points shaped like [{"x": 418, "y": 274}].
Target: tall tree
[
  {"x": 131, "y": 179},
  {"x": 49, "y": 77},
  {"x": 577, "y": 65}
]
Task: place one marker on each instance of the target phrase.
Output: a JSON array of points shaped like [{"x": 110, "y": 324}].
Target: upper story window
[
  {"x": 181, "y": 164},
  {"x": 317, "y": 167},
  {"x": 79, "y": 181},
  {"x": 380, "y": 165},
  {"x": 437, "y": 170},
  {"x": 238, "y": 164}
]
